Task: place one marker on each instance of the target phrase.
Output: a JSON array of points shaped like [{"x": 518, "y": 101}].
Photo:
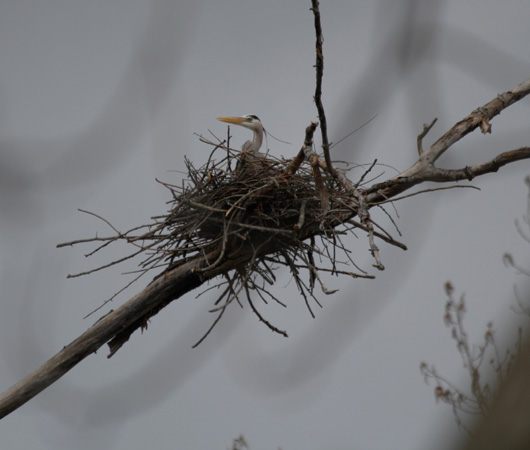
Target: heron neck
[{"x": 258, "y": 139}]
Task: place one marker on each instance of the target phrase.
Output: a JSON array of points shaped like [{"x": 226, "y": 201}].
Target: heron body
[{"x": 252, "y": 123}]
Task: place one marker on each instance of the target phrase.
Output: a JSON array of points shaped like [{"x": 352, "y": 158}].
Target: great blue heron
[{"x": 252, "y": 123}]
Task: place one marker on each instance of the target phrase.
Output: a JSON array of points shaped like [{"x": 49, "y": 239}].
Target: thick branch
[
  {"x": 115, "y": 327},
  {"x": 424, "y": 169},
  {"x": 470, "y": 172},
  {"x": 478, "y": 118},
  {"x": 390, "y": 188}
]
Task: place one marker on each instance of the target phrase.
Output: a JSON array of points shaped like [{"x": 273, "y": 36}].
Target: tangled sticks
[{"x": 242, "y": 223}]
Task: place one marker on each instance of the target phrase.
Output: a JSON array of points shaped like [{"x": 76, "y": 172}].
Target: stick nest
[{"x": 257, "y": 214}]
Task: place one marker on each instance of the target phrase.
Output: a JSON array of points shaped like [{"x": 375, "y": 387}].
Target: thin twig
[
  {"x": 426, "y": 129},
  {"x": 318, "y": 89}
]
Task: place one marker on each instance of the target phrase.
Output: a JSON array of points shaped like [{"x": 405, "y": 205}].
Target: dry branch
[
  {"x": 425, "y": 170},
  {"x": 319, "y": 69}
]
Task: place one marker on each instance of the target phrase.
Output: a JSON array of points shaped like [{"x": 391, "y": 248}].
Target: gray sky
[{"x": 97, "y": 99}]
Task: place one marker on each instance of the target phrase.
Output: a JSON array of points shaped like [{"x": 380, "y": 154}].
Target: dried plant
[
  {"x": 477, "y": 400},
  {"x": 240, "y": 443},
  {"x": 475, "y": 359}
]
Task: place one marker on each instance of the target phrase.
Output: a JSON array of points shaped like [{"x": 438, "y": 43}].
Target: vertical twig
[
  {"x": 228, "y": 148},
  {"x": 318, "y": 90}
]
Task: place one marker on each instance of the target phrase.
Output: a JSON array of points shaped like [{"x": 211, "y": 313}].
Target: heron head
[{"x": 249, "y": 121}]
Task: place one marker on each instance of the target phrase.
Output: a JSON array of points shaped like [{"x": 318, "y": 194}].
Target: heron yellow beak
[{"x": 235, "y": 120}]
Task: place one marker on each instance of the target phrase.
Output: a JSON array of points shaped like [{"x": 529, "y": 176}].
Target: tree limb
[
  {"x": 158, "y": 294},
  {"x": 425, "y": 170}
]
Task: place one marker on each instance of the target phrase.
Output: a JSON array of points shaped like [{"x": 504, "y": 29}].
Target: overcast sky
[{"x": 99, "y": 98}]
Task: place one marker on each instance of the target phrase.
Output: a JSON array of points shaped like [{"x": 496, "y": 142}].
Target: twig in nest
[{"x": 367, "y": 222}]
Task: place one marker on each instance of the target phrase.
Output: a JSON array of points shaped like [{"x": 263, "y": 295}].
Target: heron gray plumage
[{"x": 252, "y": 123}]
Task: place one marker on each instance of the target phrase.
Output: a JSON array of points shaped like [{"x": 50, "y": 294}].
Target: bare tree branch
[
  {"x": 424, "y": 169},
  {"x": 108, "y": 328}
]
